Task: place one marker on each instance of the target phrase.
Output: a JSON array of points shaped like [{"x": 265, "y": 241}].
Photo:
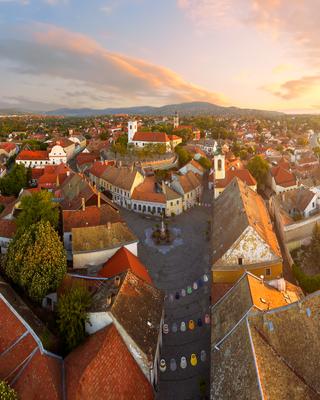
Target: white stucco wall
[
  {"x": 82, "y": 259},
  {"x": 250, "y": 247},
  {"x": 97, "y": 321}
]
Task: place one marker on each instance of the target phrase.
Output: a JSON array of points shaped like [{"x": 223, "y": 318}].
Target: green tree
[
  {"x": 72, "y": 316},
  {"x": 243, "y": 154},
  {"x": 302, "y": 141},
  {"x": 316, "y": 151},
  {"x": 314, "y": 248},
  {"x": 183, "y": 154},
  {"x": 259, "y": 168},
  {"x": 6, "y": 392},
  {"x": 17, "y": 179},
  {"x": 36, "y": 260},
  {"x": 204, "y": 162},
  {"x": 104, "y": 136},
  {"x": 37, "y": 207}
]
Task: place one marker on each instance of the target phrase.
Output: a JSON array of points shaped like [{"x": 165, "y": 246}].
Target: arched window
[{"x": 219, "y": 165}]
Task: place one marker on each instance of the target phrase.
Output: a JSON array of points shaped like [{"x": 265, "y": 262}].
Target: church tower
[
  {"x": 219, "y": 166},
  {"x": 176, "y": 120},
  {"x": 132, "y": 129}
]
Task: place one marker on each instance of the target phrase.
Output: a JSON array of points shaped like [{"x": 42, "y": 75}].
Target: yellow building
[{"x": 243, "y": 238}]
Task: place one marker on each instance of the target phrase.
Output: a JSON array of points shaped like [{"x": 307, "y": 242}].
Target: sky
[{"x": 261, "y": 54}]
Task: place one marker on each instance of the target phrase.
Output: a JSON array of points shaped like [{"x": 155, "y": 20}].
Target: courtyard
[{"x": 182, "y": 274}]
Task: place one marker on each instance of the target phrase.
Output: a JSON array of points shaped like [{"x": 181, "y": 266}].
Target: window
[
  {"x": 240, "y": 260},
  {"x": 171, "y": 203},
  {"x": 268, "y": 271},
  {"x": 219, "y": 165},
  {"x": 70, "y": 237}
]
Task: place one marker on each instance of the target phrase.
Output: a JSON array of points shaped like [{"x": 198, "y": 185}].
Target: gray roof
[
  {"x": 136, "y": 305},
  {"x": 234, "y": 210}
]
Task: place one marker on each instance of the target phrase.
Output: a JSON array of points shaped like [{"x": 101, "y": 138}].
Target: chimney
[
  {"x": 83, "y": 204},
  {"x": 109, "y": 225},
  {"x": 109, "y": 299},
  {"x": 117, "y": 281},
  {"x": 68, "y": 173},
  {"x": 99, "y": 200},
  {"x": 57, "y": 181}
]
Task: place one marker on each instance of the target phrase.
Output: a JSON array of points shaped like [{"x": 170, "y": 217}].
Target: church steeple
[{"x": 176, "y": 120}]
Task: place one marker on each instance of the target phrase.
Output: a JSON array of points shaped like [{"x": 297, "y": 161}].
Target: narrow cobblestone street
[{"x": 179, "y": 268}]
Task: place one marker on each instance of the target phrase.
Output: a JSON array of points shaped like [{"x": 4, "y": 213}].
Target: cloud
[
  {"x": 22, "y": 2},
  {"x": 281, "y": 69},
  {"x": 55, "y": 52},
  {"x": 295, "y": 88},
  {"x": 210, "y": 14},
  {"x": 295, "y": 23}
]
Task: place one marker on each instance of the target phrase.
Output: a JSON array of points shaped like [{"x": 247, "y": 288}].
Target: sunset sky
[{"x": 98, "y": 53}]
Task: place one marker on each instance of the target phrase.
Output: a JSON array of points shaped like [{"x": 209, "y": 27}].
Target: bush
[
  {"x": 6, "y": 392},
  {"x": 72, "y": 316},
  {"x": 309, "y": 284}
]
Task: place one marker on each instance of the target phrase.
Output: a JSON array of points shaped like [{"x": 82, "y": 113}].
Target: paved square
[{"x": 171, "y": 272}]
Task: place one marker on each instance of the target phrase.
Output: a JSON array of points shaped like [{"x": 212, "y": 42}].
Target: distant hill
[{"x": 185, "y": 109}]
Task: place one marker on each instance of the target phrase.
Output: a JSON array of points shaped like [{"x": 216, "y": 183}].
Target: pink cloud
[
  {"x": 122, "y": 73},
  {"x": 295, "y": 88}
]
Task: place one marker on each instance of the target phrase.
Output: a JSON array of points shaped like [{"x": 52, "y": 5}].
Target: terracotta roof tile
[
  {"x": 242, "y": 174},
  {"x": 156, "y": 137},
  {"x": 33, "y": 155},
  {"x": 103, "y": 368},
  {"x": 91, "y": 216},
  {"x": 7, "y": 146},
  {"x": 122, "y": 261},
  {"x": 146, "y": 191},
  {"x": 7, "y": 228}
]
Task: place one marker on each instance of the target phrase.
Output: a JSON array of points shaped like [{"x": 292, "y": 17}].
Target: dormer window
[{"x": 240, "y": 260}]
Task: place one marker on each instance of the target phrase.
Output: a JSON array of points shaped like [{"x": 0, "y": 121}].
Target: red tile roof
[
  {"x": 36, "y": 173},
  {"x": 87, "y": 158},
  {"x": 122, "y": 261},
  {"x": 283, "y": 177},
  {"x": 156, "y": 137},
  {"x": 175, "y": 137},
  {"x": 7, "y": 228},
  {"x": 33, "y": 155},
  {"x": 5, "y": 200},
  {"x": 8, "y": 146},
  {"x": 243, "y": 174},
  {"x": 103, "y": 368},
  {"x": 91, "y": 216},
  {"x": 32, "y": 373},
  {"x": 146, "y": 192},
  {"x": 98, "y": 168}
]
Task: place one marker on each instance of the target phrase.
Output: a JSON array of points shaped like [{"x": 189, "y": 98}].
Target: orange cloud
[
  {"x": 118, "y": 72},
  {"x": 295, "y": 88}
]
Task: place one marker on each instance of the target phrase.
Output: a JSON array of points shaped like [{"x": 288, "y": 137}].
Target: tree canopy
[
  {"x": 72, "y": 316},
  {"x": 36, "y": 260},
  {"x": 204, "y": 162},
  {"x": 6, "y": 392},
  {"x": 259, "y": 168},
  {"x": 12, "y": 183},
  {"x": 314, "y": 247},
  {"x": 35, "y": 208},
  {"x": 183, "y": 154}
]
